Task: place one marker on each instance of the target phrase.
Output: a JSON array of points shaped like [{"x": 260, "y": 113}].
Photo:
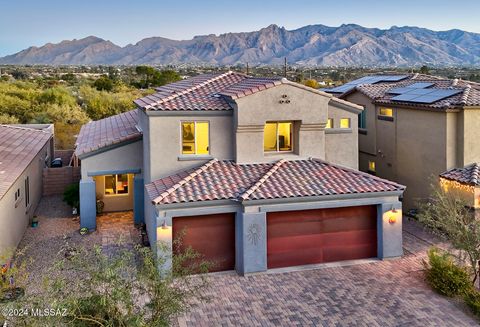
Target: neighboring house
[
  {"x": 246, "y": 169},
  {"x": 415, "y": 127},
  {"x": 464, "y": 182},
  {"x": 24, "y": 152}
]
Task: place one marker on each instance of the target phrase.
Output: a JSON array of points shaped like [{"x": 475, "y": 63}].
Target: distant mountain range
[{"x": 346, "y": 45}]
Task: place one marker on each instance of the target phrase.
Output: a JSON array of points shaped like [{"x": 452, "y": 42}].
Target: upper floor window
[
  {"x": 362, "y": 120},
  {"x": 195, "y": 138},
  {"x": 386, "y": 112},
  {"x": 278, "y": 136},
  {"x": 345, "y": 123},
  {"x": 329, "y": 123},
  {"x": 116, "y": 184}
]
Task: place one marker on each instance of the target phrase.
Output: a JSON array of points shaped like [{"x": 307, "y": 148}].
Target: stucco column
[
  {"x": 251, "y": 242},
  {"x": 389, "y": 230},
  {"x": 88, "y": 207},
  {"x": 138, "y": 199},
  {"x": 164, "y": 244}
]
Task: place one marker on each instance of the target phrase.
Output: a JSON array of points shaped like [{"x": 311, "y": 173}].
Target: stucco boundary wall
[{"x": 56, "y": 180}]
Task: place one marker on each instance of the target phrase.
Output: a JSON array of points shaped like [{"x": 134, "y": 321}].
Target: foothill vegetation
[{"x": 70, "y": 100}]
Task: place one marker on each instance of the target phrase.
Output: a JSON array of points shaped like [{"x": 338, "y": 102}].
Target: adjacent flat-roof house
[
  {"x": 24, "y": 152},
  {"x": 414, "y": 127},
  {"x": 246, "y": 170}
]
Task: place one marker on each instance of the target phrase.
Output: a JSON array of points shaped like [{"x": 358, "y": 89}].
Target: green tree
[
  {"x": 151, "y": 77},
  {"x": 424, "y": 70},
  {"x": 104, "y": 83}
]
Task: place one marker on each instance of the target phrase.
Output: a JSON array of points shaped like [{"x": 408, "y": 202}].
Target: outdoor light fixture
[
  {"x": 164, "y": 224},
  {"x": 393, "y": 218}
]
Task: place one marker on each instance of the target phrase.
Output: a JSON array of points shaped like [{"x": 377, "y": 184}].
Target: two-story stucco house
[
  {"x": 246, "y": 170},
  {"x": 415, "y": 127}
]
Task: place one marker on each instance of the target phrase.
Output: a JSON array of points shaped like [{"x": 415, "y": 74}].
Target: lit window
[
  {"x": 345, "y": 123},
  {"x": 116, "y": 184},
  {"x": 371, "y": 166},
  {"x": 277, "y": 137},
  {"x": 362, "y": 119},
  {"x": 387, "y": 112},
  {"x": 195, "y": 138},
  {"x": 329, "y": 123}
]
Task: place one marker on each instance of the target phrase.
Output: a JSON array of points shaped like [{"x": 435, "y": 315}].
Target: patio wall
[{"x": 55, "y": 180}]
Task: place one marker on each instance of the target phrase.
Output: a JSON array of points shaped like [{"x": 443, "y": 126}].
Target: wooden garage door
[
  {"x": 325, "y": 235},
  {"x": 213, "y": 236}
]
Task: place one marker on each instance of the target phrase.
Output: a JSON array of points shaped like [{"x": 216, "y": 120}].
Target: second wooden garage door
[
  {"x": 213, "y": 236},
  {"x": 325, "y": 235}
]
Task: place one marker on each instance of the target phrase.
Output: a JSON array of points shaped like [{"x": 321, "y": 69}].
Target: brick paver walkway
[{"x": 383, "y": 293}]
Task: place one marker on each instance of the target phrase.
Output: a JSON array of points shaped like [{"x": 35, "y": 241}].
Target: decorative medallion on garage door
[{"x": 254, "y": 233}]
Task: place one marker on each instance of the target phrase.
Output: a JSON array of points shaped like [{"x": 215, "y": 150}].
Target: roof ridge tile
[
  {"x": 262, "y": 180},
  {"x": 185, "y": 180},
  {"x": 189, "y": 90}
]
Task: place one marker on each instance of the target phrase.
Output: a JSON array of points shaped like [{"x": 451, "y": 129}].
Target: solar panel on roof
[
  {"x": 420, "y": 91},
  {"x": 425, "y": 99},
  {"x": 404, "y": 97},
  {"x": 422, "y": 85},
  {"x": 428, "y": 96},
  {"x": 394, "y": 78},
  {"x": 372, "y": 79},
  {"x": 398, "y": 90}
]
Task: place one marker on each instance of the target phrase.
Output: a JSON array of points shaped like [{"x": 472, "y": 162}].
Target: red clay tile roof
[
  {"x": 205, "y": 92},
  {"x": 226, "y": 180},
  {"x": 469, "y": 175},
  {"x": 108, "y": 131},
  {"x": 469, "y": 95},
  {"x": 18, "y": 147}
]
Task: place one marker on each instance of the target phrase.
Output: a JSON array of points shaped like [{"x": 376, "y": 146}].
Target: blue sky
[{"x": 35, "y": 22}]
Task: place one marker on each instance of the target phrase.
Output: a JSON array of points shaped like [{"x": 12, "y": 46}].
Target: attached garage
[
  {"x": 213, "y": 236},
  {"x": 324, "y": 235}
]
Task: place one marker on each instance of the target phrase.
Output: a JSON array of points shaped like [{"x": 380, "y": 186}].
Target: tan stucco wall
[
  {"x": 469, "y": 119},
  {"x": 129, "y": 156},
  {"x": 341, "y": 146},
  {"x": 114, "y": 202},
  {"x": 367, "y": 143},
  {"x": 14, "y": 220},
  {"x": 421, "y": 151},
  {"x": 309, "y": 110},
  {"x": 164, "y": 137}
]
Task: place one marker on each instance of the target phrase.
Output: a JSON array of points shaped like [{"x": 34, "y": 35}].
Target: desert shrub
[
  {"x": 7, "y": 119},
  {"x": 444, "y": 276},
  {"x": 121, "y": 288},
  {"x": 65, "y": 135},
  {"x": 472, "y": 299},
  {"x": 72, "y": 195}
]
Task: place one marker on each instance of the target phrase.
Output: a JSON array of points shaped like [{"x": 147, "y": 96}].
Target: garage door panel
[
  {"x": 282, "y": 244},
  {"x": 349, "y": 238},
  {"x": 324, "y": 235},
  {"x": 288, "y": 258},
  {"x": 314, "y": 224},
  {"x": 212, "y": 236},
  {"x": 348, "y": 253}
]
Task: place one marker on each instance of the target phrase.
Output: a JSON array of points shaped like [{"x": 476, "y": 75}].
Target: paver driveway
[{"x": 382, "y": 293}]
